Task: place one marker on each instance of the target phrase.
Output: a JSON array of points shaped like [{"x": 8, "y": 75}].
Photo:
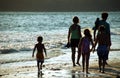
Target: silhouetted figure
[
  {"x": 84, "y": 46},
  {"x": 103, "y": 47},
  {"x": 96, "y": 26},
  {"x": 74, "y": 35},
  {"x": 103, "y": 22},
  {"x": 39, "y": 55}
]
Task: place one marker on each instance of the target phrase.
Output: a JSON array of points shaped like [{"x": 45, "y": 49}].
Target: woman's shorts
[
  {"x": 102, "y": 52},
  {"x": 74, "y": 42}
]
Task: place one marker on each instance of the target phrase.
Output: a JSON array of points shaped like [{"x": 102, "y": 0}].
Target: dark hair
[
  {"x": 76, "y": 19},
  {"x": 101, "y": 28},
  {"x": 97, "y": 19},
  {"x": 40, "y": 39},
  {"x": 87, "y": 33},
  {"x": 104, "y": 15}
]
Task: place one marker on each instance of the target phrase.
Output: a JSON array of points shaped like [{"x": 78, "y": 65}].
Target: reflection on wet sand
[
  {"x": 40, "y": 74},
  {"x": 78, "y": 74}
]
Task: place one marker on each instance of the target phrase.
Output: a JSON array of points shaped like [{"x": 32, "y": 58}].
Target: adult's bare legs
[{"x": 73, "y": 55}]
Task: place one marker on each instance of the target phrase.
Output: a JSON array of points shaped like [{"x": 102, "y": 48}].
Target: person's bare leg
[
  {"x": 104, "y": 61},
  {"x": 41, "y": 65},
  {"x": 73, "y": 55},
  {"x": 83, "y": 61},
  {"x": 100, "y": 63},
  {"x": 78, "y": 57},
  {"x": 38, "y": 66},
  {"x": 87, "y": 63}
]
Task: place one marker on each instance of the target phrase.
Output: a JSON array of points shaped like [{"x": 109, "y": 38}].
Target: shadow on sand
[{"x": 110, "y": 70}]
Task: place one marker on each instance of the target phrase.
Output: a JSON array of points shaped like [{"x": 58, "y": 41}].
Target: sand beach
[{"x": 60, "y": 66}]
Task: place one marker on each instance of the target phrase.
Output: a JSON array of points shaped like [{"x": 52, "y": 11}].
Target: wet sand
[{"x": 61, "y": 67}]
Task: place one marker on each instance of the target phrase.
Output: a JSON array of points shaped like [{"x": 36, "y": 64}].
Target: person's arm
[
  {"x": 92, "y": 45},
  {"x": 96, "y": 27},
  {"x": 94, "y": 34},
  {"x": 96, "y": 41},
  {"x": 69, "y": 35},
  {"x": 45, "y": 50},
  {"x": 109, "y": 36},
  {"x": 109, "y": 42},
  {"x": 80, "y": 44},
  {"x": 33, "y": 51},
  {"x": 80, "y": 31}
]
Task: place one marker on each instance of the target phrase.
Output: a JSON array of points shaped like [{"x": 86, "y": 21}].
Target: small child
[
  {"x": 104, "y": 43},
  {"x": 40, "y": 49},
  {"x": 96, "y": 27},
  {"x": 84, "y": 46}
]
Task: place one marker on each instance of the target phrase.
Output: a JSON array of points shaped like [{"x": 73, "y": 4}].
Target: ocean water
[{"x": 19, "y": 31}]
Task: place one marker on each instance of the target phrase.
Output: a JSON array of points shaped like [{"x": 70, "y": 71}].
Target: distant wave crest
[{"x": 7, "y": 51}]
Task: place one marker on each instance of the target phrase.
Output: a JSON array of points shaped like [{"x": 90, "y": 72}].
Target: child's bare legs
[
  {"x": 83, "y": 61},
  {"x": 78, "y": 57},
  {"x": 87, "y": 62},
  {"x": 100, "y": 63},
  {"x": 41, "y": 65},
  {"x": 104, "y": 62},
  {"x": 38, "y": 65},
  {"x": 73, "y": 55}
]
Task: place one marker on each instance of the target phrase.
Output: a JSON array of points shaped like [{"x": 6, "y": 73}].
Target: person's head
[
  {"x": 76, "y": 19},
  {"x": 97, "y": 19},
  {"x": 101, "y": 28},
  {"x": 104, "y": 16},
  {"x": 40, "y": 39},
  {"x": 87, "y": 33}
]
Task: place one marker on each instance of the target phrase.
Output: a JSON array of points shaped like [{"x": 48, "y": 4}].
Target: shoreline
[{"x": 56, "y": 67}]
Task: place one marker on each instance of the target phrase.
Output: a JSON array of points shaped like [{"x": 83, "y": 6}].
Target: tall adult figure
[
  {"x": 104, "y": 23},
  {"x": 74, "y": 35}
]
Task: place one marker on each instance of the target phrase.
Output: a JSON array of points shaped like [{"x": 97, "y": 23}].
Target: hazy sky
[{"x": 59, "y": 5}]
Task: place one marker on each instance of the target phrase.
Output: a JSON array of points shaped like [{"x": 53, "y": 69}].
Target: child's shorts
[{"x": 102, "y": 52}]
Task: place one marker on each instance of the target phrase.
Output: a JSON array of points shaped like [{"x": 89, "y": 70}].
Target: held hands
[{"x": 92, "y": 50}]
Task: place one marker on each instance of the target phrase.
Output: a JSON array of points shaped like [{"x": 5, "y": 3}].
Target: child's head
[
  {"x": 40, "y": 39},
  {"x": 87, "y": 33},
  {"x": 97, "y": 19},
  {"x": 76, "y": 19},
  {"x": 101, "y": 28}
]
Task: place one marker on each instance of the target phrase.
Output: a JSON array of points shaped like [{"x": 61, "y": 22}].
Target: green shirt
[{"x": 75, "y": 34}]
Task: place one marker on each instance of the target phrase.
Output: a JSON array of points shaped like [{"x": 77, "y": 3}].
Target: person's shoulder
[
  {"x": 78, "y": 25},
  {"x": 71, "y": 25},
  {"x": 100, "y": 21},
  {"x": 104, "y": 23},
  {"x": 42, "y": 45},
  {"x": 36, "y": 44},
  {"x": 107, "y": 23},
  {"x": 83, "y": 38}
]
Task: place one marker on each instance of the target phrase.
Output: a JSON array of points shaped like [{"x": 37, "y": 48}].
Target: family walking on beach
[
  {"x": 82, "y": 44},
  {"x": 75, "y": 40}
]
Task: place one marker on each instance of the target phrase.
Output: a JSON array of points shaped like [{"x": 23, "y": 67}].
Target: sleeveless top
[
  {"x": 75, "y": 33},
  {"x": 85, "y": 45}
]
